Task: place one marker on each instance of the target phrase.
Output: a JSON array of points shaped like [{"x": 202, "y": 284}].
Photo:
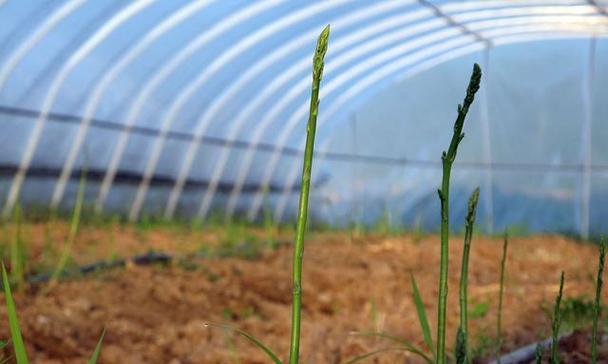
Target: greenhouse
[
  {"x": 190, "y": 108},
  {"x": 152, "y": 114}
]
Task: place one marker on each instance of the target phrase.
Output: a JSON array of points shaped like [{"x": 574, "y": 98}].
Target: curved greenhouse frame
[{"x": 193, "y": 108}]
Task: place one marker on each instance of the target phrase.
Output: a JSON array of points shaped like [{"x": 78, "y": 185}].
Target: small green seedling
[{"x": 479, "y": 310}]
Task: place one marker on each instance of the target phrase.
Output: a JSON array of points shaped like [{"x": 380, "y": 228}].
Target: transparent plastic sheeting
[{"x": 198, "y": 108}]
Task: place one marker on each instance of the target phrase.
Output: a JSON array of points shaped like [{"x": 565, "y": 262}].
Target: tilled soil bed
[{"x": 157, "y": 314}]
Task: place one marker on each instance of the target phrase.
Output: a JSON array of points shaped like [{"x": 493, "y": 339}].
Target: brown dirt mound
[{"x": 156, "y": 314}]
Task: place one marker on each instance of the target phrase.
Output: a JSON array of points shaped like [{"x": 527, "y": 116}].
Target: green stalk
[
  {"x": 444, "y": 195},
  {"x": 317, "y": 73},
  {"x": 501, "y": 290},
  {"x": 538, "y": 354},
  {"x": 597, "y": 303},
  {"x": 557, "y": 321},
  {"x": 462, "y": 352}
]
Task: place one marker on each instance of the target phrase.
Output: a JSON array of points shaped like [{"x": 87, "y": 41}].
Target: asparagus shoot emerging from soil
[
  {"x": 596, "y": 304},
  {"x": 501, "y": 290},
  {"x": 448, "y": 158},
  {"x": 462, "y": 335},
  {"x": 538, "y": 355},
  {"x": 556, "y": 321},
  {"x": 317, "y": 73}
]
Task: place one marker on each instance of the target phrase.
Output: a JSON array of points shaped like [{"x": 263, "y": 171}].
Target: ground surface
[{"x": 157, "y": 314}]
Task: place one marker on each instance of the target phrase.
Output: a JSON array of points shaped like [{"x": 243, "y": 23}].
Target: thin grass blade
[
  {"x": 13, "y": 321},
  {"x": 252, "y": 339},
  {"x": 406, "y": 345},
  {"x": 372, "y": 353},
  {"x": 422, "y": 318},
  {"x": 17, "y": 250},
  {"x": 74, "y": 227},
  {"x": 97, "y": 350}
]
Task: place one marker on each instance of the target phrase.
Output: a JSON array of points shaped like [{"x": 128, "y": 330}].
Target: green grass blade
[
  {"x": 97, "y": 350},
  {"x": 422, "y": 318},
  {"x": 557, "y": 321},
  {"x": 372, "y": 353},
  {"x": 597, "y": 302},
  {"x": 447, "y": 159},
  {"x": 405, "y": 345},
  {"x": 74, "y": 227},
  {"x": 503, "y": 263},
  {"x": 13, "y": 320},
  {"x": 252, "y": 339},
  {"x": 298, "y": 250},
  {"x": 17, "y": 250}
]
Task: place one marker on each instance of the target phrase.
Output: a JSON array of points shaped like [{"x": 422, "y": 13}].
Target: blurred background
[{"x": 197, "y": 110}]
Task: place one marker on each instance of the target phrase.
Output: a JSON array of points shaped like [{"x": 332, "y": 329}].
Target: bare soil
[{"x": 157, "y": 314}]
